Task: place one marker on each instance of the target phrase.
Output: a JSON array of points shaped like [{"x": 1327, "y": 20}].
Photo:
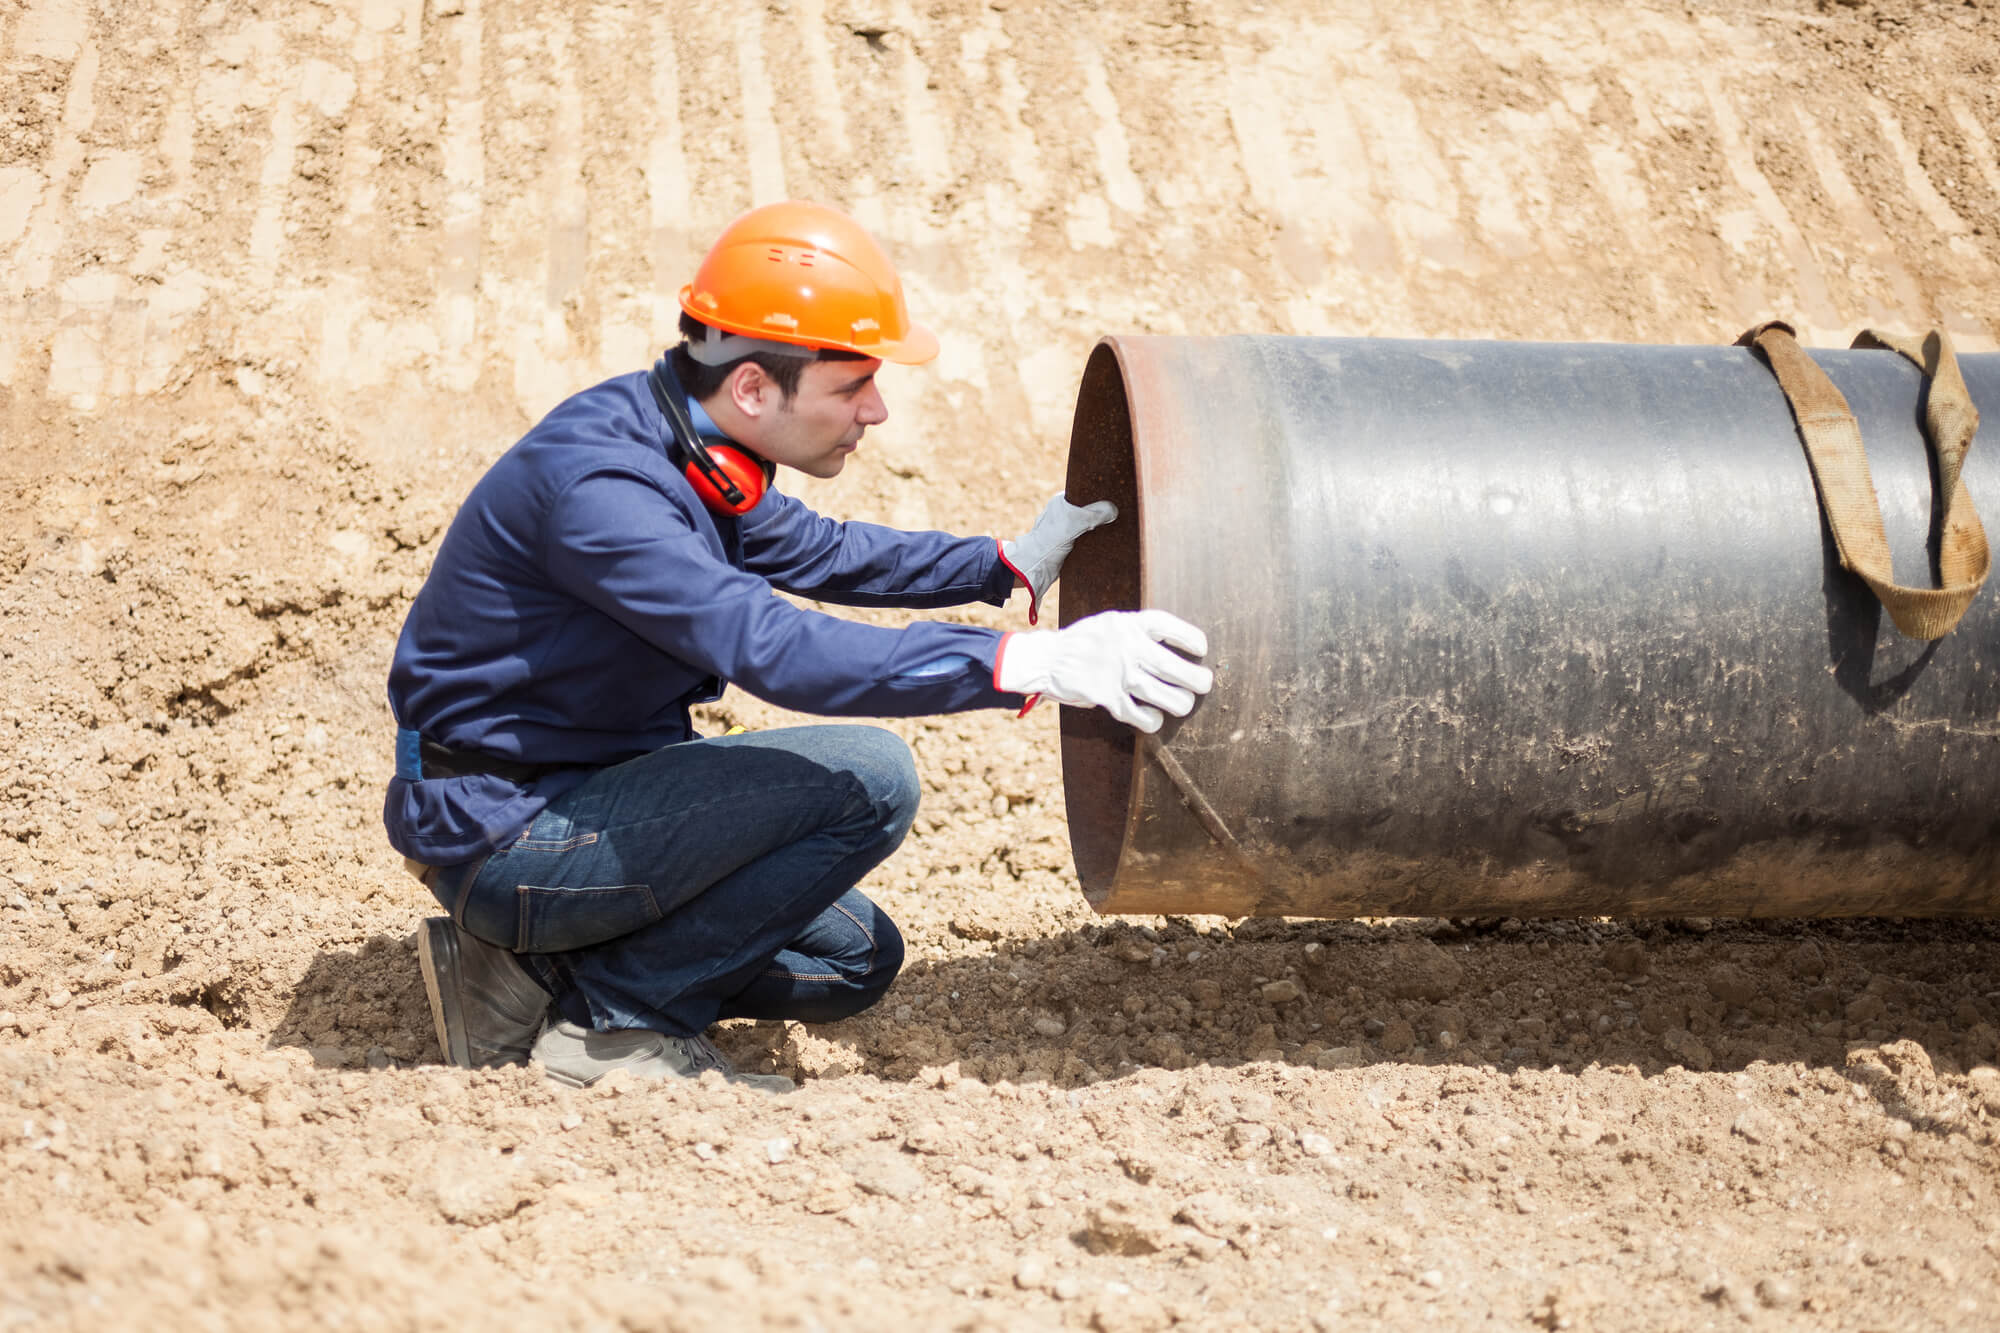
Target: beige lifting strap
[{"x": 1847, "y": 491}]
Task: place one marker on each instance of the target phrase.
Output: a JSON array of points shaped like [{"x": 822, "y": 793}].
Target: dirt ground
[{"x": 281, "y": 277}]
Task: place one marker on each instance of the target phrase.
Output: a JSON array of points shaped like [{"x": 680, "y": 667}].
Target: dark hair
[{"x": 702, "y": 382}]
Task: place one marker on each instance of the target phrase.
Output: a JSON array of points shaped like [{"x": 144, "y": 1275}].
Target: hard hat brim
[{"x": 919, "y": 345}]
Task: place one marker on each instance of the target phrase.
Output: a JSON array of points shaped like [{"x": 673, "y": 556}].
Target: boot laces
[{"x": 703, "y": 1056}]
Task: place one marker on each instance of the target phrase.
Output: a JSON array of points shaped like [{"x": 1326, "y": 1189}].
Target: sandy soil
[{"x": 280, "y": 278}]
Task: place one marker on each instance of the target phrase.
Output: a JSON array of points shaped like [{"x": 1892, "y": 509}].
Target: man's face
[{"x": 822, "y": 423}]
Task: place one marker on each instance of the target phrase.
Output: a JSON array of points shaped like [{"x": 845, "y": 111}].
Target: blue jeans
[{"x": 711, "y": 879}]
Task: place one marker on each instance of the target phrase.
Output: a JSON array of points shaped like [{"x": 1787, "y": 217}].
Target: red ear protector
[{"x": 729, "y": 479}]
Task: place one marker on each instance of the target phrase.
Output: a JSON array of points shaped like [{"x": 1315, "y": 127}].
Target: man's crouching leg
[
  {"x": 759, "y": 840},
  {"x": 838, "y": 966}
]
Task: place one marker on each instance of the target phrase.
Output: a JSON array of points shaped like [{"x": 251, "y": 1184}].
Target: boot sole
[
  {"x": 565, "y": 1079},
  {"x": 437, "y": 952}
]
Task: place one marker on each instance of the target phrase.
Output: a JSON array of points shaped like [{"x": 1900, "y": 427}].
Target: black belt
[{"x": 441, "y": 761}]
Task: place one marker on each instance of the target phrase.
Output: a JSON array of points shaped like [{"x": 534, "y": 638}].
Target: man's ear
[{"x": 750, "y": 389}]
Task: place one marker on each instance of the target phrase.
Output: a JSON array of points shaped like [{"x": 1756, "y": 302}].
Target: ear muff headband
[{"x": 729, "y": 480}]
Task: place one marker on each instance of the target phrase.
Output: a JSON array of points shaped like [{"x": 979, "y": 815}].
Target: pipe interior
[{"x": 1102, "y": 573}]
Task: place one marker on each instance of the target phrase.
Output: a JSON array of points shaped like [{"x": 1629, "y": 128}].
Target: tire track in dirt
[
  {"x": 1972, "y": 276},
  {"x": 377, "y": 322},
  {"x": 1662, "y": 271},
  {"x": 911, "y": 216},
  {"x": 1121, "y": 191},
  {"x": 1005, "y": 179},
  {"x": 346, "y": 297},
  {"x": 56, "y": 31},
  {"x": 930, "y": 153},
  {"x": 1918, "y": 185},
  {"x": 1819, "y": 318},
  {"x": 1003, "y": 217},
  {"x": 1347, "y": 170},
  {"x": 163, "y": 290},
  {"x": 1684, "y": 143},
  {"x": 1854, "y": 214},
  {"x": 99, "y": 344},
  {"x": 561, "y": 311},
  {"x": 811, "y": 42},
  {"x": 273, "y": 190},
  {"x": 464, "y": 163},
  {"x": 758, "y": 98},
  {"x": 1565, "y": 157},
  {"x": 1311, "y": 216},
  {"x": 1612, "y": 137},
  {"x": 615, "y": 66},
  {"x": 535, "y": 210},
  {"x": 671, "y": 244},
  {"x": 1421, "y": 194},
  {"x": 1977, "y": 141}
]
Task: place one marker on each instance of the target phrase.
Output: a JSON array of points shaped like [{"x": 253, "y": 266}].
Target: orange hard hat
[{"x": 809, "y": 275}]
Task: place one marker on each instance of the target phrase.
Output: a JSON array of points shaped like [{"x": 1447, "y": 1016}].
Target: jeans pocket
[
  {"x": 563, "y": 827},
  {"x": 553, "y": 920}
]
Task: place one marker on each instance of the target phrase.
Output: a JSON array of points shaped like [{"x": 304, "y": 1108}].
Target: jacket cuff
[
  {"x": 1001, "y": 580},
  {"x": 1000, "y": 655}
]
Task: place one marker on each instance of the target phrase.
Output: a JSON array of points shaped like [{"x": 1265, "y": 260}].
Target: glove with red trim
[
  {"x": 1036, "y": 557},
  {"x": 1119, "y": 661}
]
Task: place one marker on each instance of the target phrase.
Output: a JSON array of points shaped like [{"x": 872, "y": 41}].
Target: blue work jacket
[{"x": 583, "y": 598}]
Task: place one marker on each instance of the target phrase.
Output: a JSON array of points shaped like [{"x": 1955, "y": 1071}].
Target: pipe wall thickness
[{"x": 1524, "y": 630}]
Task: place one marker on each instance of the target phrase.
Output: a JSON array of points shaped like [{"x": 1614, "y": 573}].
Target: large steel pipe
[{"x": 1522, "y": 629}]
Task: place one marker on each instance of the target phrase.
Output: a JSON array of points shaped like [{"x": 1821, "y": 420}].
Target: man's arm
[
  {"x": 865, "y": 564},
  {"x": 620, "y": 545}
]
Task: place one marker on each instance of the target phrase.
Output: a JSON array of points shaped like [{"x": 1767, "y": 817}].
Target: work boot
[
  {"x": 577, "y": 1057},
  {"x": 486, "y": 1007}
]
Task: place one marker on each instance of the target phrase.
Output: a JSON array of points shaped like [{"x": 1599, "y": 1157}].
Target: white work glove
[
  {"x": 1114, "y": 660},
  {"x": 1037, "y": 557}
]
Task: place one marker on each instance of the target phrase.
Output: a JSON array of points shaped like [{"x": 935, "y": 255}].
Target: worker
[{"x": 615, "y": 883}]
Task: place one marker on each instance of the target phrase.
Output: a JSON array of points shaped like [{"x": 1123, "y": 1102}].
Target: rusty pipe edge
[{"x": 1522, "y": 630}]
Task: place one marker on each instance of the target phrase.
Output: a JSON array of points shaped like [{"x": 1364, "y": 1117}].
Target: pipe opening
[{"x": 1102, "y": 573}]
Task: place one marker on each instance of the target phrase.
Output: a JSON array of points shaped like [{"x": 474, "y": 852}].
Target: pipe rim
[{"x": 1105, "y": 571}]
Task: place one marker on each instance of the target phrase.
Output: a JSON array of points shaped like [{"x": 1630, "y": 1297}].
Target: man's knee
[
  {"x": 868, "y": 963},
  {"x": 881, "y": 761},
  {"x": 888, "y": 959}
]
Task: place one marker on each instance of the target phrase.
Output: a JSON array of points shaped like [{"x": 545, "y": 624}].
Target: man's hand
[
  {"x": 1037, "y": 557},
  {"x": 1116, "y": 660}
]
